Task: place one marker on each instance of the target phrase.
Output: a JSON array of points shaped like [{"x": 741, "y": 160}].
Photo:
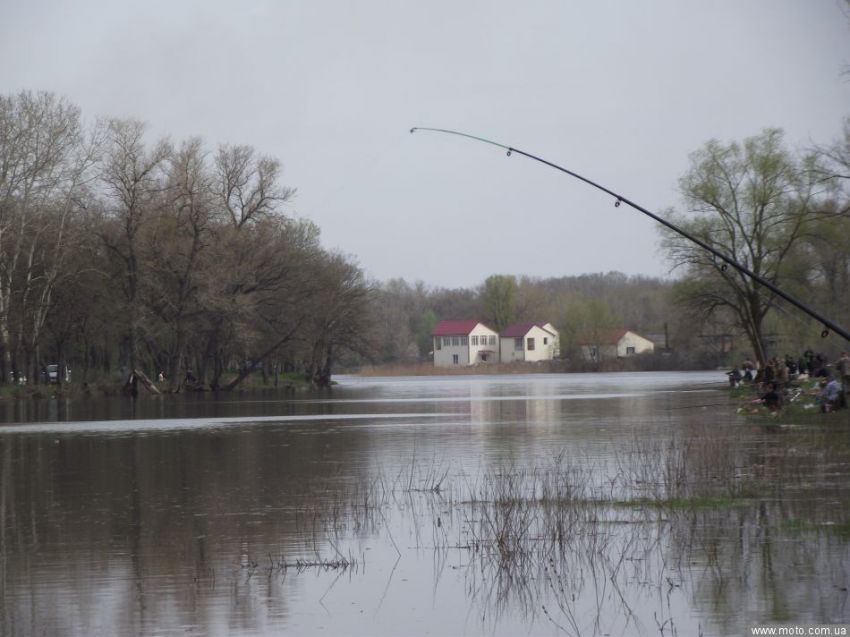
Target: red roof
[
  {"x": 454, "y": 328},
  {"x": 520, "y": 329}
]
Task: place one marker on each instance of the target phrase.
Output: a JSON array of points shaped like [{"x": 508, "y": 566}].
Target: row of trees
[{"x": 117, "y": 253}]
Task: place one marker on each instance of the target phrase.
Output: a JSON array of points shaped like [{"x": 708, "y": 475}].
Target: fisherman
[
  {"x": 748, "y": 371},
  {"x": 783, "y": 376},
  {"x": 772, "y": 399},
  {"x": 821, "y": 366},
  {"x": 802, "y": 368},
  {"x": 830, "y": 395},
  {"x": 734, "y": 378},
  {"x": 809, "y": 357},
  {"x": 791, "y": 364},
  {"x": 769, "y": 372}
]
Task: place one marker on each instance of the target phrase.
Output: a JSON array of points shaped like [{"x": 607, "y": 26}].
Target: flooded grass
[
  {"x": 513, "y": 514},
  {"x": 552, "y": 537},
  {"x": 684, "y": 504}
]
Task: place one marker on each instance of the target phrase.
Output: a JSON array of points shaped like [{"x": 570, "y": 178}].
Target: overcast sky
[{"x": 620, "y": 91}]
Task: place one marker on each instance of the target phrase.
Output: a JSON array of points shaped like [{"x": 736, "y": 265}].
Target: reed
[{"x": 548, "y": 536}]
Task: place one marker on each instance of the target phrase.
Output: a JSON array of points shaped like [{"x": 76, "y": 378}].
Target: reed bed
[{"x": 573, "y": 541}]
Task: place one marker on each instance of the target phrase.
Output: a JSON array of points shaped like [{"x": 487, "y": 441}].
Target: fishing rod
[{"x": 620, "y": 199}]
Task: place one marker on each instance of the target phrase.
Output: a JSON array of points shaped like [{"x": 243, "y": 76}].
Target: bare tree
[
  {"x": 176, "y": 247},
  {"x": 256, "y": 295},
  {"x": 340, "y": 317},
  {"x": 133, "y": 178},
  {"x": 43, "y": 164},
  {"x": 248, "y": 185}
]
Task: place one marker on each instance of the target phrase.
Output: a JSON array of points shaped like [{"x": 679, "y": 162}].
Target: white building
[
  {"x": 615, "y": 344},
  {"x": 464, "y": 343},
  {"x": 529, "y": 342}
]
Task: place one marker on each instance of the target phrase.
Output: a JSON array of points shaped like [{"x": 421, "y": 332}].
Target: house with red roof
[
  {"x": 464, "y": 343},
  {"x": 529, "y": 342},
  {"x": 614, "y": 344}
]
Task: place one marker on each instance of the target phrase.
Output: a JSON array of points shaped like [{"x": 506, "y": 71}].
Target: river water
[{"x": 581, "y": 504}]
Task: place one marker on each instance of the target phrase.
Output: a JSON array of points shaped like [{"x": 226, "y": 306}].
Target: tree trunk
[
  {"x": 323, "y": 376},
  {"x": 136, "y": 376}
]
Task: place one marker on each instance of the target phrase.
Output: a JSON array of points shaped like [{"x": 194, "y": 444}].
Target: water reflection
[{"x": 533, "y": 505}]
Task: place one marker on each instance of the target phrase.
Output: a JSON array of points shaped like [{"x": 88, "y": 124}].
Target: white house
[
  {"x": 464, "y": 343},
  {"x": 529, "y": 342},
  {"x": 615, "y": 344}
]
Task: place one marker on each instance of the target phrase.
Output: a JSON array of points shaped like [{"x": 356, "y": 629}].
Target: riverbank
[
  {"x": 653, "y": 363},
  {"x": 428, "y": 369},
  {"x": 801, "y": 405},
  {"x": 106, "y": 388}
]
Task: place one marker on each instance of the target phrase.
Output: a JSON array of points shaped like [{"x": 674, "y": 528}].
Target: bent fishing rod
[{"x": 619, "y": 199}]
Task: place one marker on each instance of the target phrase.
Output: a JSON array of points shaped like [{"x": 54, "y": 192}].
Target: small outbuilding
[{"x": 608, "y": 344}]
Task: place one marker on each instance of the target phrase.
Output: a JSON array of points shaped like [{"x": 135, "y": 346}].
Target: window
[
  {"x": 530, "y": 344},
  {"x": 630, "y": 351},
  {"x": 438, "y": 343},
  {"x": 464, "y": 340},
  {"x": 454, "y": 359},
  {"x": 455, "y": 340},
  {"x": 447, "y": 341},
  {"x": 545, "y": 340},
  {"x": 474, "y": 340},
  {"x": 492, "y": 339},
  {"x": 518, "y": 343}
]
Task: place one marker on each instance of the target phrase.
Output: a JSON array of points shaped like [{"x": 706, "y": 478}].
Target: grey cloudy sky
[{"x": 621, "y": 91}]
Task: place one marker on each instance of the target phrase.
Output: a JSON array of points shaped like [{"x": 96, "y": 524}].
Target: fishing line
[{"x": 828, "y": 325}]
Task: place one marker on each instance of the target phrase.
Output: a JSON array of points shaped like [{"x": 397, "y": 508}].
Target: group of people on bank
[{"x": 781, "y": 380}]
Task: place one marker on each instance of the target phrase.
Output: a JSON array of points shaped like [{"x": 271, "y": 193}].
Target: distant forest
[{"x": 580, "y": 307}]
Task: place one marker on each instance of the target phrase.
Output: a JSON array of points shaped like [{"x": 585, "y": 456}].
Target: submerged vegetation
[{"x": 577, "y": 542}]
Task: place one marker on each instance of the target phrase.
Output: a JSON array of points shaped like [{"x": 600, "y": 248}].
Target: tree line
[{"x": 118, "y": 253}]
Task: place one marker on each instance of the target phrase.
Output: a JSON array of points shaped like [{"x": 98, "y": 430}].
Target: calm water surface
[{"x": 622, "y": 504}]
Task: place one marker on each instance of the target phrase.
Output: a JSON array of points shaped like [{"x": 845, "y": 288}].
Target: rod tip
[{"x": 413, "y": 130}]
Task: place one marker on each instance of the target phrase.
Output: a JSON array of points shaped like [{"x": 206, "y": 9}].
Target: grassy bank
[{"x": 801, "y": 407}]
